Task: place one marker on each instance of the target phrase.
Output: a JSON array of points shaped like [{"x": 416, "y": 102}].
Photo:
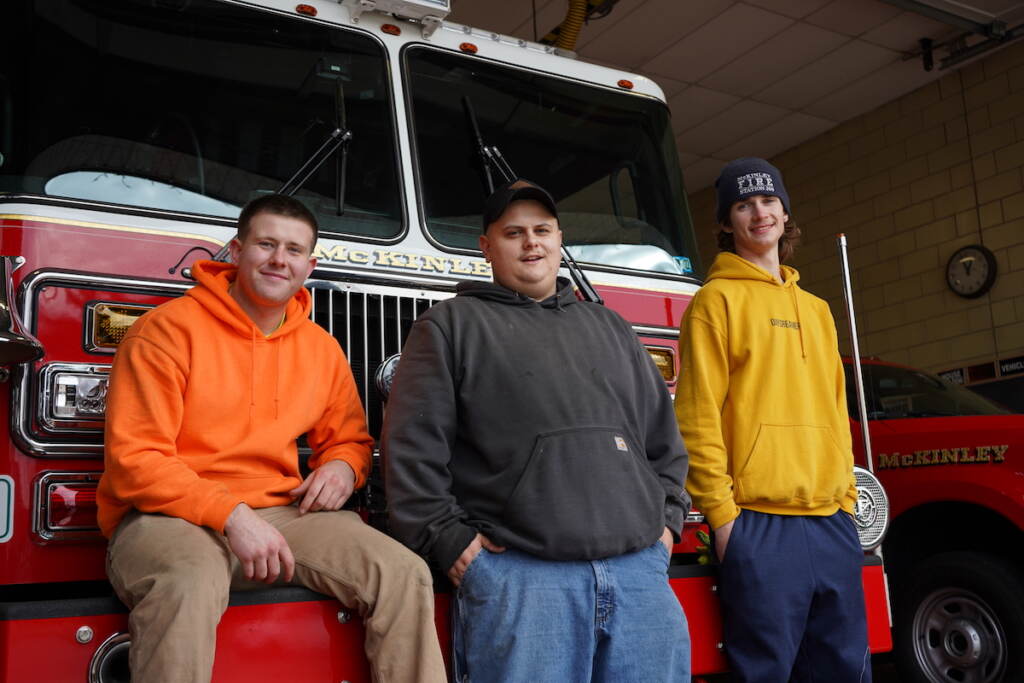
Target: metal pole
[{"x": 858, "y": 376}]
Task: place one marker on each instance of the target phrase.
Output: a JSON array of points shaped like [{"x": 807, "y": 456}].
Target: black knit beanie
[{"x": 745, "y": 177}]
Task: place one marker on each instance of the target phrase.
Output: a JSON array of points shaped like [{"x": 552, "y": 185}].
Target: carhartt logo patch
[
  {"x": 791, "y": 324},
  {"x": 620, "y": 443},
  {"x": 755, "y": 183}
]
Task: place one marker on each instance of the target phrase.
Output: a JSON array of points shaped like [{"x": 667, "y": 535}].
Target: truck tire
[{"x": 960, "y": 619}]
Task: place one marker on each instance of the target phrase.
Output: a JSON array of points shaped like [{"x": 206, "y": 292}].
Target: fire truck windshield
[
  {"x": 893, "y": 393},
  {"x": 195, "y": 107},
  {"x": 607, "y": 156}
]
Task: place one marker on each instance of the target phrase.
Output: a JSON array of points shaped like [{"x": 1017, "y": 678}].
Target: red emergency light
[
  {"x": 65, "y": 506},
  {"x": 72, "y": 507}
]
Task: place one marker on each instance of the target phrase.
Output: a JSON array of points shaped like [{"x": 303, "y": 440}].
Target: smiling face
[
  {"x": 274, "y": 259},
  {"x": 757, "y": 224},
  {"x": 523, "y": 248}
]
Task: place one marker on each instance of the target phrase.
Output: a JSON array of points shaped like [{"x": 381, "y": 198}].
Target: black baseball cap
[{"x": 504, "y": 195}]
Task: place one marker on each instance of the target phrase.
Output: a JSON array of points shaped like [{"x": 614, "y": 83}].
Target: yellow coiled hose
[{"x": 569, "y": 31}]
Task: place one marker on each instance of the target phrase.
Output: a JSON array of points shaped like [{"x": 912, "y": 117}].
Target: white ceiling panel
[
  {"x": 779, "y": 57},
  {"x": 903, "y": 32},
  {"x": 832, "y": 72},
  {"x": 669, "y": 86},
  {"x": 701, "y": 174},
  {"x": 738, "y": 30},
  {"x": 650, "y": 29},
  {"x": 777, "y": 137},
  {"x": 549, "y": 15},
  {"x": 695, "y": 105},
  {"x": 734, "y": 123},
  {"x": 499, "y": 17},
  {"x": 685, "y": 158},
  {"x": 853, "y": 17},
  {"x": 873, "y": 91},
  {"x": 796, "y": 9}
]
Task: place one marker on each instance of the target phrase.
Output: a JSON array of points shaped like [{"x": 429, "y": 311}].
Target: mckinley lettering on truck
[{"x": 944, "y": 456}]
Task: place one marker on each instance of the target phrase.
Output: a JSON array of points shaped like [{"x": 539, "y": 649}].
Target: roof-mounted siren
[{"x": 429, "y": 13}]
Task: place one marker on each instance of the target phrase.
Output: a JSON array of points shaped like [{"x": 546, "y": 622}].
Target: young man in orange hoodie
[{"x": 201, "y": 490}]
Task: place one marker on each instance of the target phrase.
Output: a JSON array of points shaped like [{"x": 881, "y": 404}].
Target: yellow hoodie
[
  {"x": 204, "y": 409},
  {"x": 761, "y": 398}
]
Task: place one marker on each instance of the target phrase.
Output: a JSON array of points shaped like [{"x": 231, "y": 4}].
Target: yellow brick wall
[{"x": 909, "y": 183}]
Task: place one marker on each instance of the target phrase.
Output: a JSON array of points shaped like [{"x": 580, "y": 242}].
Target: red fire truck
[
  {"x": 131, "y": 133},
  {"x": 950, "y": 463}
]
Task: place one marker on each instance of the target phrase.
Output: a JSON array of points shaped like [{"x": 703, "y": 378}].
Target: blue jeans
[{"x": 520, "y": 618}]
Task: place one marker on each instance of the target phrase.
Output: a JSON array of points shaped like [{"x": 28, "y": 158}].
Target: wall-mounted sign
[
  {"x": 1011, "y": 366},
  {"x": 954, "y": 376}
]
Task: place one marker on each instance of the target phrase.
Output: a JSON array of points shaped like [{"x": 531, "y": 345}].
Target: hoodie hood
[
  {"x": 215, "y": 278},
  {"x": 491, "y": 291},
  {"x": 730, "y": 266},
  {"x": 212, "y": 294}
]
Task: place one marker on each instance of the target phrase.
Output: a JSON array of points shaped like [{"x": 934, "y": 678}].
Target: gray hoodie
[{"x": 543, "y": 425}]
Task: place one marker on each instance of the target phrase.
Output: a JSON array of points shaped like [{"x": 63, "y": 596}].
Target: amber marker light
[
  {"x": 107, "y": 323},
  {"x": 627, "y": 84},
  {"x": 665, "y": 360},
  {"x": 391, "y": 29},
  {"x": 468, "y": 47},
  {"x": 306, "y": 10}
]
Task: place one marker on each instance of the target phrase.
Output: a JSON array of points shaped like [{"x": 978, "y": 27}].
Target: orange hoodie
[{"x": 203, "y": 410}]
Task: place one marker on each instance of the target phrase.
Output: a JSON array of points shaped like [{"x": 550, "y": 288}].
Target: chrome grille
[{"x": 371, "y": 324}]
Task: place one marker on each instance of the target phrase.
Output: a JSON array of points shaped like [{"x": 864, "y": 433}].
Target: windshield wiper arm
[
  {"x": 337, "y": 138},
  {"x": 491, "y": 156}
]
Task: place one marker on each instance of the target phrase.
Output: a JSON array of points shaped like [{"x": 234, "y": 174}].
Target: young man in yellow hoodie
[
  {"x": 761, "y": 406},
  {"x": 201, "y": 490}
]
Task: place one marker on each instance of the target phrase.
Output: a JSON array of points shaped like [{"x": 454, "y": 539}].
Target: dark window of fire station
[
  {"x": 195, "y": 107},
  {"x": 608, "y": 157}
]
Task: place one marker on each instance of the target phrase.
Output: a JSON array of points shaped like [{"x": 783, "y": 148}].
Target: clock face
[{"x": 971, "y": 271}]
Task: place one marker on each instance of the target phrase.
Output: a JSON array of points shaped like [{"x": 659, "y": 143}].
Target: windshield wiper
[
  {"x": 491, "y": 156},
  {"x": 339, "y": 137}
]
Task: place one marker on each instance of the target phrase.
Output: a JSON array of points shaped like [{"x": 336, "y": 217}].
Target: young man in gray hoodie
[{"x": 532, "y": 453}]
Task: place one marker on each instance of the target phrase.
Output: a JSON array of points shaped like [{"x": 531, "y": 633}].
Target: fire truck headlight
[
  {"x": 73, "y": 397},
  {"x": 872, "y": 513},
  {"x": 665, "y": 360},
  {"x": 385, "y": 375}
]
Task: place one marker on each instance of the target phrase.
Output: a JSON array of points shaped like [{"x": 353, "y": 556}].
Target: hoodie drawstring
[
  {"x": 799, "y": 323},
  {"x": 252, "y": 374},
  {"x": 277, "y": 374}
]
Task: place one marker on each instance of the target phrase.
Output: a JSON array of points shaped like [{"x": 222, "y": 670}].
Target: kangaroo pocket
[
  {"x": 585, "y": 493},
  {"x": 787, "y": 464}
]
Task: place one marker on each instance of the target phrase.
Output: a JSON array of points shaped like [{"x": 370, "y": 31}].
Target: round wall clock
[{"x": 971, "y": 271}]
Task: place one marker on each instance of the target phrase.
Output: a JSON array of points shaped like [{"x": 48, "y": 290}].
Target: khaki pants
[{"x": 175, "y": 577}]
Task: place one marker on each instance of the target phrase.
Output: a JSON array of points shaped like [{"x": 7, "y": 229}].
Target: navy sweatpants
[{"x": 792, "y": 600}]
